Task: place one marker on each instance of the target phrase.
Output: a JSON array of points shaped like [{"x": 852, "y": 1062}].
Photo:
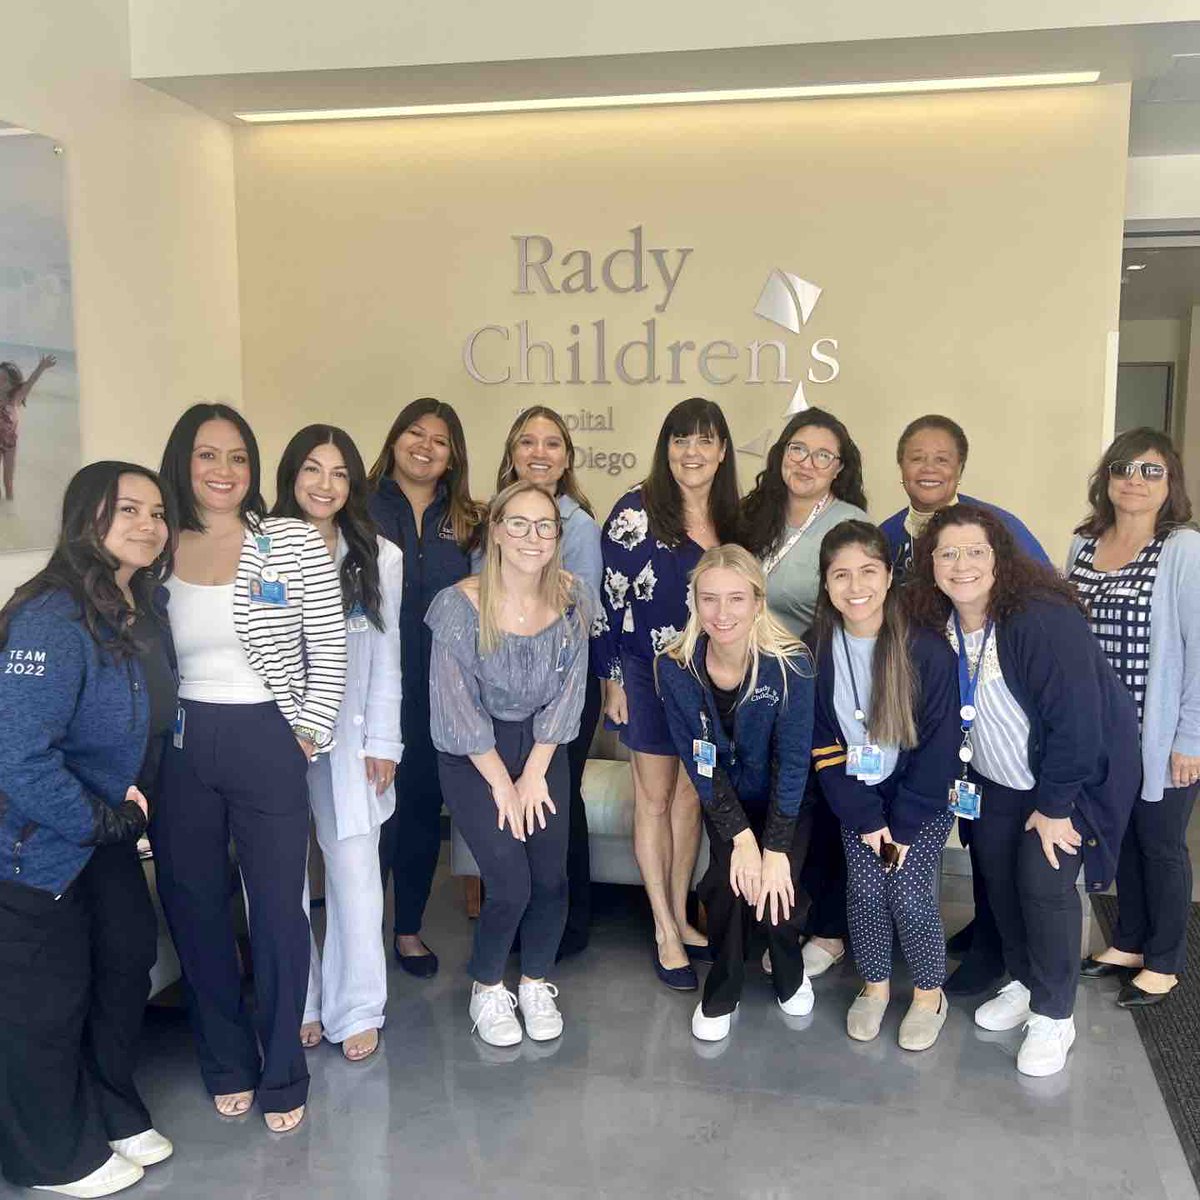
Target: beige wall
[
  {"x": 153, "y": 236},
  {"x": 969, "y": 249}
]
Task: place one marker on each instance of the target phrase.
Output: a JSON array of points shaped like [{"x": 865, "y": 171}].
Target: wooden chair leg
[{"x": 473, "y": 893}]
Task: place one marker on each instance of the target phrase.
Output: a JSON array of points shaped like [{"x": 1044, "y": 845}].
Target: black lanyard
[{"x": 859, "y": 712}]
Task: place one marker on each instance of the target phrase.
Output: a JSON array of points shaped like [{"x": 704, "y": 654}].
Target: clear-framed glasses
[
  {"x": 977, "y": 553},
  {"x": 798, "y": 452},
  {"x": 518, "y": 527},
  {"x": 1127, "y": 468}
]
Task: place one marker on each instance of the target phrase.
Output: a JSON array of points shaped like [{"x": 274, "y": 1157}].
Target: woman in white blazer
[{"x": 351, "y": 791}]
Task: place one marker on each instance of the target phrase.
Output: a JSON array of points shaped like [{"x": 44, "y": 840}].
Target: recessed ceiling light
[
  {"x": 648, "y": 99},
  {"x": 1135, "y": 266}
]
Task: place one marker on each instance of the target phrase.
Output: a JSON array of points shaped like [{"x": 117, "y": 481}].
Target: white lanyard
[{"x": 773, "y": 560}]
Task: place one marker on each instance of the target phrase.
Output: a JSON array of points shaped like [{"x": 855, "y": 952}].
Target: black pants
[
  {"x": 524, "y": 883},
  {"x": 1154, "y": 882},
  {"x": 985, "y": 937},
  {"x": 731, "y": 922},
  {"x": 240, "y": 772},
  {"x": 74, "y": 978},
  {"x": 823, "y": 875},
  {"x": 579, "y": 863},
  {"x": 1037, "y": 908},
  {"x": 411, "y": 838}
]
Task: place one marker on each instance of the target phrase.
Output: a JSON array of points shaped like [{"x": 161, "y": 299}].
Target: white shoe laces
[
  {"x": 540, "y": 999},
  {"x": 495, "y": 1004},
  {"x": 1041, "y": 1027}
]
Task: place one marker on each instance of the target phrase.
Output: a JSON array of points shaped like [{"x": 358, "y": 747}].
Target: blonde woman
[
  {"x": 507, "y": 677},
  {"x": 738, "y": 693}
]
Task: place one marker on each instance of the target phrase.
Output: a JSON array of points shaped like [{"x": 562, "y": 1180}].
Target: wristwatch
[{"x": 320, "y": 741}]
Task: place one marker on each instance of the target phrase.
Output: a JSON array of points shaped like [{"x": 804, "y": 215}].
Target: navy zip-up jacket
[
  {"x": 919, "y": 788},
  {"x": 433, "y": 560},
  {"x": 765, "y": 764},
  {"x": 72, "y": 741}
]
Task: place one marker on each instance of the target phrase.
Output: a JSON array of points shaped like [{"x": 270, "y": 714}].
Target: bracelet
[{"x": 309, "y": 735}]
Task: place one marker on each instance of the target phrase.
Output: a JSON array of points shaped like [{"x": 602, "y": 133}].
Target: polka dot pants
[{"x": 876, "y": 898}]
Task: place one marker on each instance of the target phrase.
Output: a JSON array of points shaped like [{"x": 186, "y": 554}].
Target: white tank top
[{"x": 213, "y": 666}]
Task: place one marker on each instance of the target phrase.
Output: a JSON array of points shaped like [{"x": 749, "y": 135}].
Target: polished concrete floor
[{"x": 628, "y": 1105}]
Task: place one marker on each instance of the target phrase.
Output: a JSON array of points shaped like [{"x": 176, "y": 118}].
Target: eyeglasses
[
  {"x": 1126, "y": 469},
  {"x": 519, "y": 527},
  {"x": 798, "y": 452},
  {"x": 977, "y": 552}
]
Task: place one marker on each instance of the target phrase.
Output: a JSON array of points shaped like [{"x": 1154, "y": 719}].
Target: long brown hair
[
  {"x": 465, "y": 513},
  {"x": 567, "y": 485},
  {"x": 1176, "y": 510},
  {"x": 894, "y": 682},
  {"x": 1019, "y": 578}
]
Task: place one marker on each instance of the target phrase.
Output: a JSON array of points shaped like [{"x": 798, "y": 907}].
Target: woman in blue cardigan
[
  {"x": 885, "y": 738},
  {"x": 737, "y": 689},
  {"x": 1046, "y": 772}
]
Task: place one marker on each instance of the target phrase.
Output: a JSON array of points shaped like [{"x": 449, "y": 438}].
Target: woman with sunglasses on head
[
  {"x": 507, "y": 679},
  {"x": 422, "y": 502},
  {"x": 812, "y": 482},
  {"x": 1045, "y": 769},
  {"x": 256, "y": 613},
  {"x": 652, "y": 540},
  {"x": 885, "y": 738},
  {"x": 738, "y": 692},
  {"x": 1135, "y": 562},
  {"x": 539, "y": 450},
  {"x": 321, "y": 480},
  {"x": 88, "y": 694}
]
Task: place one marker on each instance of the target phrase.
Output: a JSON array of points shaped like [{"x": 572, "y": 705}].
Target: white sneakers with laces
[
  {"x": 1047, "y": 1041},
  {"x": 113, "y": 1175},
  {"x": 543, "y": 1021},
  {"x": 492, "y": 1011},
  {"x": 145, "y": 1148},
  {"x": 1006, "y": 1010}
]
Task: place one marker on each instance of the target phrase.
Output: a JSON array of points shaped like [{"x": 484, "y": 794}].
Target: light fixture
[
  {"x": 650, "y": 99},
  {"x": 1135, "y": 266},
  {"x": 15, "y": 131}
]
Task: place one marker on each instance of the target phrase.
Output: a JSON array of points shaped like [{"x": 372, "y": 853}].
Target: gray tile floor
[{"x": 628, "y": 1105}]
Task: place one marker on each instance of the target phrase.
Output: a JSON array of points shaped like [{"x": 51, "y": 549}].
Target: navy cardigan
[
  {"x": 919, "y": 788},
  {"x": 765, "y": 763}
]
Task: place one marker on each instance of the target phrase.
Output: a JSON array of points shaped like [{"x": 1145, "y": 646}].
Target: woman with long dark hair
[
  {"x": 321, "y": 479},
  {"x": 88, "y": 695},
  {"x": 421, "y": 501},
  {"x": 812, "y": 481},
  {"x": 884, "y": 738},
  {"x": 539, "y": 450},
  {"x": 652, "y": 540},
  {"x": 1135, "y": 562},
  {"x": 256, "y": 613},
  {"x": 1045, "y": 769}
]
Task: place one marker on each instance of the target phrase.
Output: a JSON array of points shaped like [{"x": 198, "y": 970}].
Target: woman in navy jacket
[
  {"x": 422, "y": 502},
  {"x": 737, "y": 689},
  {"x": 884, "y": 741},
  {"x": 1049, "y": 759},
  {"x": 88, "y": 695}
]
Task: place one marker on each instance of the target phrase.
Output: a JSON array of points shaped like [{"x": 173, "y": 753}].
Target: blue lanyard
[{"x": 968, "y": 680}]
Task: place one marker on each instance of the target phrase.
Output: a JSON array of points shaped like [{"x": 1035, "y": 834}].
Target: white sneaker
[
  {"x": 491, "y": 1010},
  {"x": 543, "y": 1021},
  {"x": 710, "y": 1029},
  {"x": 818, "y": 960},
  {"x": 1044, "y": 1050},
  {"x": 112, "y": 1176},
  {"x": 1006, "y": 1010},
  {"x": 145, "y": 1149},
  {"x": 800, "y": 1002}
]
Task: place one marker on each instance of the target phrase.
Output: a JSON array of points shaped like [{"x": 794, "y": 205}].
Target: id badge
[
  {"x": 356, "y": 621},
  {"x": 966, "y": 800},
  {"x": 268, "y": 591},
  {"x": 177, "y": 735},
  {"x": 704, "y": 754},
  {"x": 865, "y": 762}
]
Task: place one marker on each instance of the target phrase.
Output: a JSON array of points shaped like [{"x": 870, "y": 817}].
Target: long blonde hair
[
  {"x": 767, "y": 634},
  {"x": 554, "y": 587},
  {"x": 568, "y": 484}
]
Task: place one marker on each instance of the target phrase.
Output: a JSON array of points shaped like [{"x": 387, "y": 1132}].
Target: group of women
[{"x": 836, "y": 694}]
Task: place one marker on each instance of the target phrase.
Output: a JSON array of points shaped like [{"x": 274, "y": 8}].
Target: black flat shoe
[
  {"x": 975, "y": 974},
  {"x": 1093, "y": 968},
  {"x": 422, "y": 966},
  {"x": 700, "y": 954},
  {"x": 1132, "y": 996},
  {"x": 572, "y": 943},
  {"x": 678, "y": 979}
]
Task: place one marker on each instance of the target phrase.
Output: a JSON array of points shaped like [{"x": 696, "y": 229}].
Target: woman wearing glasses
[
  {"x": 1136, "y": 564},
  {"x": 1044, "y": 770},
  {"x": 508, "y": 672},
  {"x": 812, "y": 482}
]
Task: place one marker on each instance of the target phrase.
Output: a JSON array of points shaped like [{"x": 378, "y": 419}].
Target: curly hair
[{"x": 1019, "y": 578}]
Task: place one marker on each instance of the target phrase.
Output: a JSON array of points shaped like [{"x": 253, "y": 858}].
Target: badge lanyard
[
  {"x": 864, "y": 760},
  {"x": 773, "y": 560},
  {"x": 859, "y": 715},
  {"x": 968, "y": 683}
]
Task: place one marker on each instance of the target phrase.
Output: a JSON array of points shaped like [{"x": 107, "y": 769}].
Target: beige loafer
[
  {"x": 818, "y": 960},
  {"x": 921, "y": 1026},
  {"x": 865, "y": 1017}
]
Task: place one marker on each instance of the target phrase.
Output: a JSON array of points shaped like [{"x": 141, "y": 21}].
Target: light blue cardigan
[{"x": 1171, "y": 718}]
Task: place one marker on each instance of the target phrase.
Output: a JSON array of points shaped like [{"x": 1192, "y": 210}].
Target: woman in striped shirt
[{"x": 256, "y": 613}]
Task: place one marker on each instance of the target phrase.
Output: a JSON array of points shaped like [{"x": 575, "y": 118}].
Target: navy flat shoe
[
  {"x": 422, "y": 966},
  {"x": 700, "y": 954},
  {"x": 678, "y": 979}
]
